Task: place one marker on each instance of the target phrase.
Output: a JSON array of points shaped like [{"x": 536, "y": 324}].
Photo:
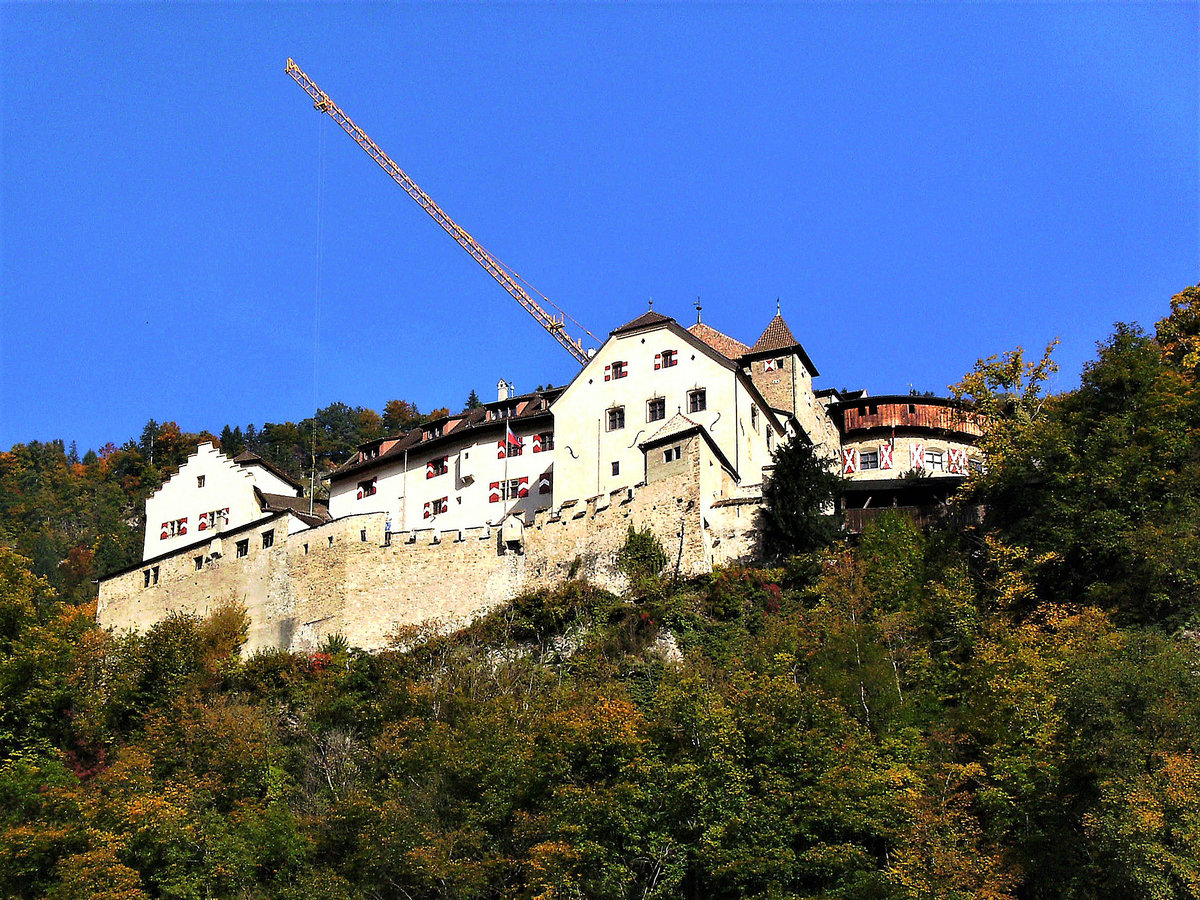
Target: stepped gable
[
  {"x": 645, "y": 320},
  {"x": 730, "y": 348}
]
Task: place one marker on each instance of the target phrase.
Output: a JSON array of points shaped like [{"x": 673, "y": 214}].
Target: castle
[{"x": 665, "y": 427}]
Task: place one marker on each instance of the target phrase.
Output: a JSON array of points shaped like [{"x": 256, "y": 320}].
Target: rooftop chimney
[{"x": 503, "y": 390}]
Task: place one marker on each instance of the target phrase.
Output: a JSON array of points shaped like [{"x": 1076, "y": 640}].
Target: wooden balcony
[{"x": 856, "y": 520}]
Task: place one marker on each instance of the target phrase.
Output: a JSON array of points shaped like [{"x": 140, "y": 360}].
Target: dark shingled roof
[
  {"x": 645, "y": 320},
  {"x": 731, "y": 348},
  {"x": 298, "y": 506},
  {"x": 777, "y": 336},
  {"x": 249, "y": 458}
]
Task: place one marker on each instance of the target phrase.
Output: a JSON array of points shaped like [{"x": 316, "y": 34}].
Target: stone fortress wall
[{"x": 339, "y": 578}]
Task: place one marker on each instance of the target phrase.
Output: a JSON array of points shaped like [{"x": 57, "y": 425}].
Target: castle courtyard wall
[{"x": 341, "y": 578}]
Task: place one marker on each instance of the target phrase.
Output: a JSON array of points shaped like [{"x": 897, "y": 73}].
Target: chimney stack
[{"x": 503, "y": 390}]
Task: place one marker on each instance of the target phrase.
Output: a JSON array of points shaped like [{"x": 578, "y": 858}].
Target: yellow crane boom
[{"x": 502, "y": 273}]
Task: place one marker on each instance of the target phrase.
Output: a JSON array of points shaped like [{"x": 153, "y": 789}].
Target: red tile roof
[
  {"x": 777, "y": 336},
  {"x": 722, "y": 343}
]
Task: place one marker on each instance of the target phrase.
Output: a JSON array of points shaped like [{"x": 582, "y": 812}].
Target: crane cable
[{"x": 320, "y": 256}]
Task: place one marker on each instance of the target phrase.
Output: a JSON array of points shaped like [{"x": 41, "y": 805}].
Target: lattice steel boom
[{"x": 494, "y": 267}]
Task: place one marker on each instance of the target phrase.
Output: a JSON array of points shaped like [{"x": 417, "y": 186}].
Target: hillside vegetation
[{"x": 1005, "y": 712}]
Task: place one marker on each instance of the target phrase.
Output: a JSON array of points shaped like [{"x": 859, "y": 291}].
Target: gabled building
[{"x": 213, "y": 494}]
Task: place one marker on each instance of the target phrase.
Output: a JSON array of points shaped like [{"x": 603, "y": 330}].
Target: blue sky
[{"x": 919, "y": 186}]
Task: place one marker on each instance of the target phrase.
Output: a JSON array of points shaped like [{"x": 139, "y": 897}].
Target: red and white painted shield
[
  {"x": 428, "y": 513},
  {"x": 850, "y": 461},
  {"x": 494, "y": 492},
  {"x": 886, "y": 452},
  {"x": 537, "y": 443},
  {"x": 499, "y": 449},
  {"x": 958, "y": 461},
  {"x": 430, "y": 471},
  {"x": 523, "y": 487},
  {"x": 202, "y": 524},
  {"x": 166, "y": 531}
]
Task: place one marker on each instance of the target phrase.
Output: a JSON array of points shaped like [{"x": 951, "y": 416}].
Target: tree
[
  {"x": 800, "y": 501},
  {"x": 473, "y": 401}
]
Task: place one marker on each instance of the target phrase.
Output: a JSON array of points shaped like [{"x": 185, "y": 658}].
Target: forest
[{"x": 1009, "y": 710}]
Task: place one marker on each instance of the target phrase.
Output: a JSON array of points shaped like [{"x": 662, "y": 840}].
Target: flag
[{"x": 510, "y": 437}]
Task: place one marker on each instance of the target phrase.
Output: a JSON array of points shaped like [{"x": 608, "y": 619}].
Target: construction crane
[{"x": 509, "y": 279}]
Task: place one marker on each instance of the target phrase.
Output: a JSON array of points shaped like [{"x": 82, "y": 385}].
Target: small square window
[
  {"x": 670, "y": 358},
  {"x": 656, "y": 409},
  {"x": 366, "y": 488},
  {"x": 439, "y": 506},
  {"x": 154, "y": 575},
  {"x": 268, "y": 538},
  {"x": 199, "y": 561},
  {"x": 619, "y": 370},
  {"x": 243, "y": 548},
  {"x": 616, "y": 468},
  {"x": 199, "y": 481},
  {"x": 672, "y": 453},
  {"x": 331, "y": 540},
  {"x": 616, "y": 418},
  {"x": 697, "y": 401}
]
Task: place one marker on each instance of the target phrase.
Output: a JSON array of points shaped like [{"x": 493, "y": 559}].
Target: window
[
  {"x": 199, "y": 561},
  {"x": 509, "y": 490},
  {"x": 754, "y": 417},
  {"x": 362, "y": 535},
  {"x": 770, "y": 438},
  {"x": 439, "y": 506},
  {"x": 868, "y": 459},
  {"x": 620, "y": 369},
  {"x": 912, "y": 409},
  {"x": 975, "y": 464},
  {"x": 616, "y": 468},
  {"x": 366, "y": 488},
  {"x": 544, "y": 441},
  {"x": 656, "y": 409},
  {"x": 199, "y": 481},
  {"x": 513, "y": 449},
  {"x": 933, "y": 460},
  {"x": 154, "y": 574},
  {"x": 873, "y": 409},
  {"x": 268, "y": 538},
  {"x": 331, "y": 540},
  {"x": 243, "y": 548},
  {"x": 436, "y": 467},
  {"x": 145, "y": 578},
  {"x": 306, "y": 549},
  {"x": 697, "y": 401},
  {"x": 174, "y": 528},
  {"x": 672, "y": 453},
  {"x": 616, "y": 418},
  {"x": 669, "y": 358}
]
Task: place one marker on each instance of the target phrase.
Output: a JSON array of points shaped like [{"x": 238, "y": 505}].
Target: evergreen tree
[
  {"x": 473, "y": 401},
  {"x": 800, "y": 501}
]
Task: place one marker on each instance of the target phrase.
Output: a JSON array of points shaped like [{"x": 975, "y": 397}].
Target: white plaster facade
[{"x": 626, "y": 394}]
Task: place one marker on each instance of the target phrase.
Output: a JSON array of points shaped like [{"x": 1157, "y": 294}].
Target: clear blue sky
[{"x": 919, "y": 185}]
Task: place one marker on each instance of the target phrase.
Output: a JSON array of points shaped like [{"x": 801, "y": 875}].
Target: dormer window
[{"x": 433, "y": 431}]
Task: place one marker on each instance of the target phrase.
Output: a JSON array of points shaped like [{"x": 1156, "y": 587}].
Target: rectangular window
[
  {"x": 616, "y": 418},
  {"x": 933, "y": 460},
  {"x": 546, "y": 440},
  {"x": 199, "y": 561},
  {"x": 697, "y": 401},
  {"x": 619, "y": 370},
  {"x": 868, "y": 459},
  {"x": 145, "y": 578},
  {"x": 306, "y": 549},
  {"x": 154, "y": 574},
  {"x": 331, "y": 540},
  {"x": 174, "y": 528},
  {"x": 366, "y": 488},
  {"x": 513, "y": 449},
  {"x": 672, "y": 453},
  {"x": 268, "y": 538},
  {"x": 656, "y": 409},
  {"x": 243, "y": 548},
  {"x": 439, "y": 466},
  {"x": 754, "y": 417},
  {"x": 509, "y": 490},
  {"x": 199, "y": 481},
  {"x": 439, "y": 506},
  {"x": 362, "y": 535},
  {"x": 616, "y": 468},
  {"x": 669, "y": 358}
]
